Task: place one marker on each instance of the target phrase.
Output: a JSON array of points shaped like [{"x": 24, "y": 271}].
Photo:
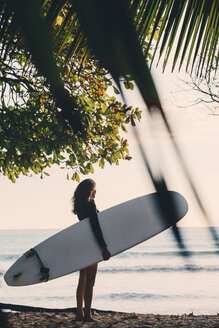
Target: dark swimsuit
[{"x": 89, "y": 210}]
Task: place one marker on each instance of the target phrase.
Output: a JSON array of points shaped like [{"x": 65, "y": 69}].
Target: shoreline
[{"x": 27, "y": 317}]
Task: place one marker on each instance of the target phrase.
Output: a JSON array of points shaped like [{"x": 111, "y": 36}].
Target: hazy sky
[{"x": 35, "y": 203}]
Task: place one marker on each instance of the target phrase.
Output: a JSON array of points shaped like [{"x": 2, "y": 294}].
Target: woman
[{"x": 84, "y": 206}]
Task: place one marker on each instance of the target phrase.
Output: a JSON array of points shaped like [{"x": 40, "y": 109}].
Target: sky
[{"x": 34, "y": 203}]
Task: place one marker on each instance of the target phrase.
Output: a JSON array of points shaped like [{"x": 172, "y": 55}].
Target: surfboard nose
[{"x": 182, "y": 205}]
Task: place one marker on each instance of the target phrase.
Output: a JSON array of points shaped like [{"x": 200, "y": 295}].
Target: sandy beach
[{"x": 104, "y": 319}]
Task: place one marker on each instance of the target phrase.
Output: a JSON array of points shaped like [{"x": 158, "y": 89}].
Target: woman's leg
[
  {"x": 80, "y": 294},
  {"x": 90, "y": 281}
]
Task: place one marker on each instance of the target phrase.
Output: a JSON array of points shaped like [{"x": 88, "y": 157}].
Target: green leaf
[
  {"x": 116, "y": 91},
  {"x": 12, "y": 177},
  {"x": 77, "y": 177},
  {"x": 127, "y": 85},
  {"x": 24, "y": 171},
  {"x": 102, "y": 163},
  {"x": 90, "y": 168},
  {"x": 124, "y": 128}
]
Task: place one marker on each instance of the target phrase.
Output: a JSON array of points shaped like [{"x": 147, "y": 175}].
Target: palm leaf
[
  {"x": 54, "y": 10},
  {"x": 188, "y": 13},
  {"x": 146, "y": 20},
  {"x": 164, "y": 14},
  {"x": 193, "y": 14},
  {"x": 204, "y": 18},
  {"x": 147, "y": 15},
  {"x": 213, "y": 45},
  {"x": 160, "y": 15}
]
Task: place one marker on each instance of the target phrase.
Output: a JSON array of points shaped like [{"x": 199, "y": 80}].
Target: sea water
[{"x": 152, "y": 277}]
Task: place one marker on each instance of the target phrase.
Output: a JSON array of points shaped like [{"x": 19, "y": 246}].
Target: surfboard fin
[
  {"x": 29, "y": 253},
  {"x": 16, "y": 275},
  {"x": 44, "y": 274}
]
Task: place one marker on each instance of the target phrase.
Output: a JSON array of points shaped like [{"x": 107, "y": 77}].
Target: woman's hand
[{"x": 106, "y": 253}]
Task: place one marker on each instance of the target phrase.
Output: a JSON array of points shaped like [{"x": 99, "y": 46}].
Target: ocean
[{"x": 150, "y": 278}]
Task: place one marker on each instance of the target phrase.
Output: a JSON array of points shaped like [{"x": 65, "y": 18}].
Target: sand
[{"x": 104, "y": 319}]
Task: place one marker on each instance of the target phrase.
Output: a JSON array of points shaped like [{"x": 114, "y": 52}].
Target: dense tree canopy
[{"x": 33, "y": 132}]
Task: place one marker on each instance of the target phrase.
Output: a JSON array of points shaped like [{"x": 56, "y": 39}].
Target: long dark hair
[{"x": 82, "y": 194}]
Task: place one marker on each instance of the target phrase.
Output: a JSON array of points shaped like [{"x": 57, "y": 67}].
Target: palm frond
[
  {"x": 188, "y": 29},
  {"x": 194, "y": 23}
]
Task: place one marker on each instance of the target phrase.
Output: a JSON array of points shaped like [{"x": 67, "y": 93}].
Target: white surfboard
[{"x": 123, "y": 226}]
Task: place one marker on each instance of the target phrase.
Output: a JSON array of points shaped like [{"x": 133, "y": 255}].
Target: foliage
[
  {"x": 187, "y": 29},
  {"x": 60, "y": 112},
  {"x": 33, "y": 133}
]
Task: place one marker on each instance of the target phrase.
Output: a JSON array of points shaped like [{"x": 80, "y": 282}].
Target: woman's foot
[
  {"x": 79, "y": 317},
  {"x": 89, "y": 319}
]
